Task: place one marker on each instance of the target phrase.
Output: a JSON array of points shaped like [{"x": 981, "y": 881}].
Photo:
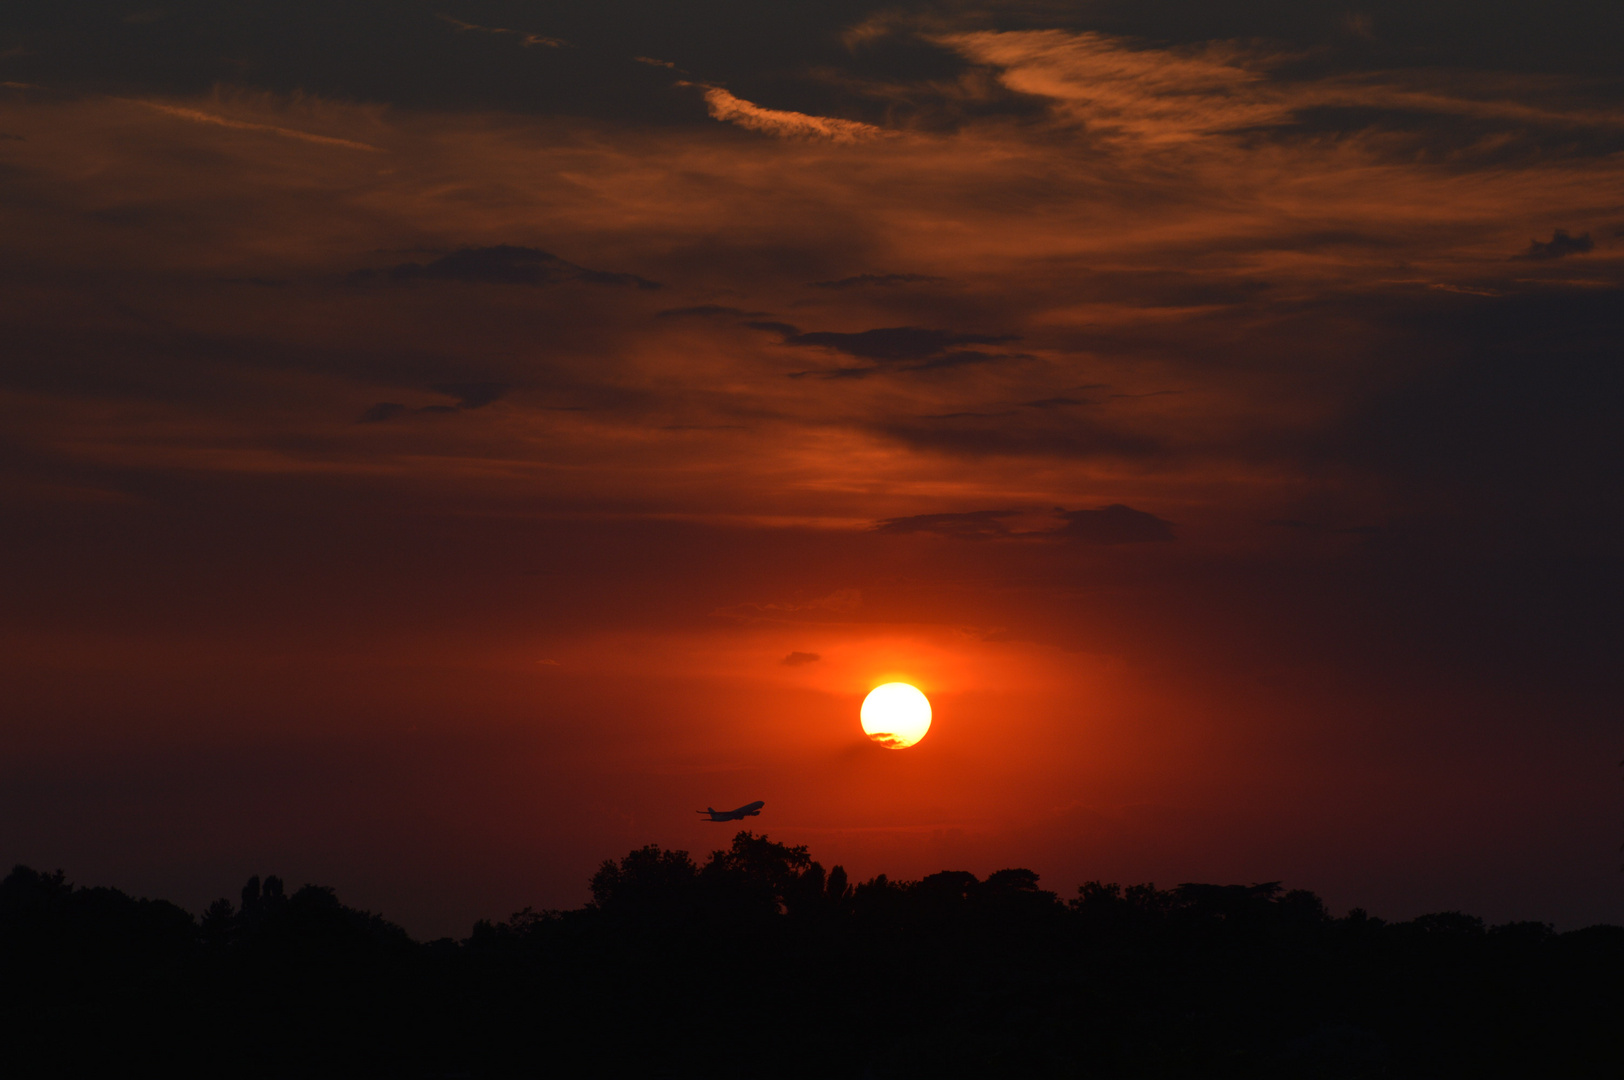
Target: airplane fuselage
[{"x": 747, "y": 810}]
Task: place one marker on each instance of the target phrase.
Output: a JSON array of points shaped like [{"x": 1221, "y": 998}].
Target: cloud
[
  {"x": 1558, "y": 246},
  {"x": 198, "y": 116},
  {"x": 1114, "y": 524},
  {"x": 786, "y": 125},
  {"x": 473, "y": 395},
  {"x": 1155, "y": 96},
  {"x": 912, "y": 348},
  {"x": 783, "y": 328},
  {"x": 469, "y": 395},
  {"x": 601, "y": 60},
  {"x": 508, "y": 264},
  {"x": 863, "y": 280},
  {"x": 895, "y": 343},
  {"x": 1122, "y": 95},
  {"x": 992, "y": 435},
  {"x": 525, "y": 39},
  {"x": 796, "y": 659},
  {"x": 975, "y": 525}
]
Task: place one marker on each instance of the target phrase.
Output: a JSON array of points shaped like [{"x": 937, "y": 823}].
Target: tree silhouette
[{"x": 759, "y": 962}]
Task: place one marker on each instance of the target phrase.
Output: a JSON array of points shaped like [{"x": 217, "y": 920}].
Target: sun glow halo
[{"x": 895, "y": 715}]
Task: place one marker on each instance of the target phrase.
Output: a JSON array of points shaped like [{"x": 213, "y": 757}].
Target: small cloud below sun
[{"x": 895, "y": 715}]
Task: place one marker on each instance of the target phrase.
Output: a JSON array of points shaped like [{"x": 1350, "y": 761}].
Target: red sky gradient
[{"x": 415, "y": 483}]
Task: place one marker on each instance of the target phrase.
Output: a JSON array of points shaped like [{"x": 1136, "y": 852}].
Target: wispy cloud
[
  {"x": 1154, "y": 95},
  {"x": 1119, "y": 90},
  {"x": 526, "y": 39},
  {"x": 198, "y": 116},
  {"x": 1108, "y": 525},
  {"x": 785, "y": 125}
]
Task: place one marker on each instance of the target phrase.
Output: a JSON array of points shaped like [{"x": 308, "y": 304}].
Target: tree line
[{"x": 757, "y": 962}]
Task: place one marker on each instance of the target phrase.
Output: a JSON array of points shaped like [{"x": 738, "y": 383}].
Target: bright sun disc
[{"x": 895, "y": 715}]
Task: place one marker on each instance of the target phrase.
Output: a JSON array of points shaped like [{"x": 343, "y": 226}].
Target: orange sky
[{"x": 421, "y": 495}]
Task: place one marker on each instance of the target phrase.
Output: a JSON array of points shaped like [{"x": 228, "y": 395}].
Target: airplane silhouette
[{"x": 747, "y": 810}]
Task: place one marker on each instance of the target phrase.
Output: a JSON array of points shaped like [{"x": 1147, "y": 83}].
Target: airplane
[{"x": 747, "y": 810}]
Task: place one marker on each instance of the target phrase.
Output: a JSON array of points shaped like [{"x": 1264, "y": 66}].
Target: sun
[{"x": 895, "y": 715}]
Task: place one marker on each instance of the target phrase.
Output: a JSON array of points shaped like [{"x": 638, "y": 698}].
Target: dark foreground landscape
[{"x": 758, "y": 963}]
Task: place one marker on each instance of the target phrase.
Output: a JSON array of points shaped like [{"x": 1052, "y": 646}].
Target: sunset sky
[{"x": 445, "y": 444}]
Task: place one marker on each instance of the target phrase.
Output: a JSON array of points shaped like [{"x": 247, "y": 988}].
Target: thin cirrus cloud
[
  {"x": 1149, "y": 100},
  {"x": 1106, "y": 526},
  {"x": 1153, "y": 96},
  {"x": 525, "y": 38},
  {"x": 199, "y": 116},
  {"x": 910, "y": 348}
]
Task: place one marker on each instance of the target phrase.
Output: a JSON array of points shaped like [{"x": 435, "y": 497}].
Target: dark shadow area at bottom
[{"x": 759, "y": 963}]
